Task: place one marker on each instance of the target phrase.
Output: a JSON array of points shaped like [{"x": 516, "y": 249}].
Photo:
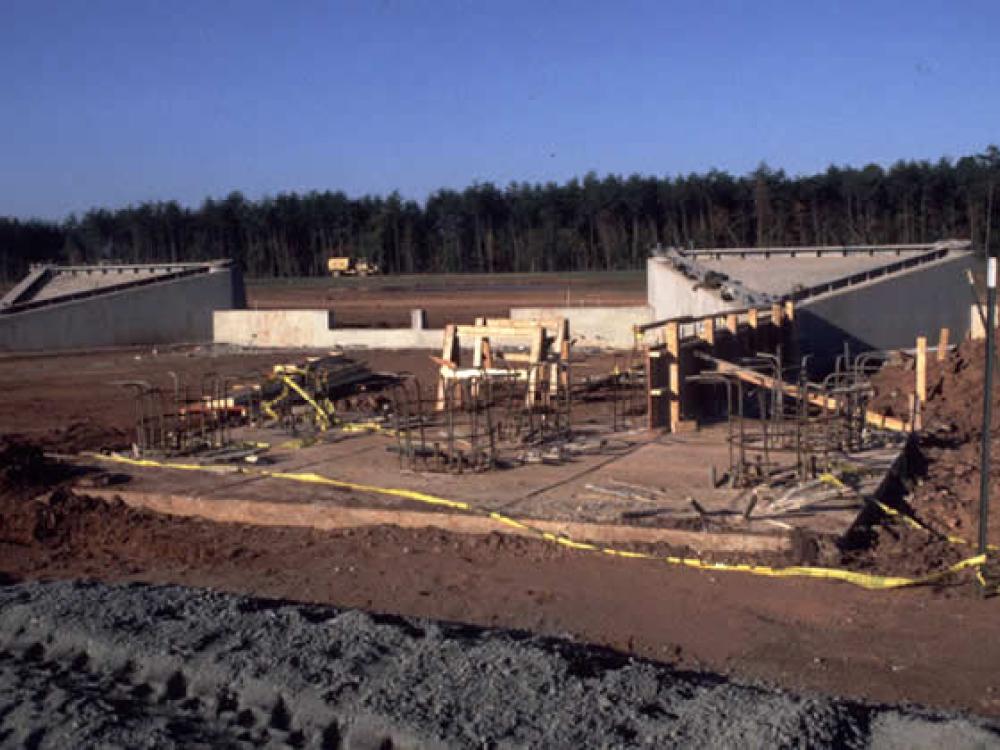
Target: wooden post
[
  {"x": 942, "y": 348},
  {"x": 922, "y": 369},
  {"x": 450, "y": 352},
  {"x": 708, "y": 331},
  {"x": 672, "y": 339},
  {"x": 534, "y": 363},
  {"x": 559, "y": 353},
  {"x": 790, "y": 311},
  {"x": 789, "y": 339},
  {"x": 477, "y": 346},
  {"x": 777, "y": 315},
  {"x": 656, "y": 390},
  {"x": 752, "y": 321}
]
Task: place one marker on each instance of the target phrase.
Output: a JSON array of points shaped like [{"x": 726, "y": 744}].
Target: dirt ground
[
  {"x": 386, "y": 301},
  {"x": 932, "y": 646}
]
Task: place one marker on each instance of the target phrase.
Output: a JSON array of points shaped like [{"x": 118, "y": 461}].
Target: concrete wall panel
[
  {"x": 310, "y": 329},
  {"x": 600, "y": 327}
]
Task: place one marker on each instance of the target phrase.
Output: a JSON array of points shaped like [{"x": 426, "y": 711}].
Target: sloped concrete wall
[
  {"x": 599, "y": 327},
  {"x": 174, "y": 311},
  {"x": 889, "y": 313}
]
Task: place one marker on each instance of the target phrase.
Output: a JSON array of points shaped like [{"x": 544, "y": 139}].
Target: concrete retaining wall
[
  {"x": 888, "y": 313},
  {"x": 174, "y": 311},
  {"x": 311, "y": 329},
  {"x": 601, "y": 327}
]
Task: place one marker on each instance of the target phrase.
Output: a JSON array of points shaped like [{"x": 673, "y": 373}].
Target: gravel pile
[{"x": 92, "y": 665}]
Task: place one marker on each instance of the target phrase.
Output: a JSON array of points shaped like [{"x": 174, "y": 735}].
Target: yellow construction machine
[{"x": 346, "y": 265}]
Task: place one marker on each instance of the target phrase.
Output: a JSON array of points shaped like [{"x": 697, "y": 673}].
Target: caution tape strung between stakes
[{"x": 864, "y": 580}]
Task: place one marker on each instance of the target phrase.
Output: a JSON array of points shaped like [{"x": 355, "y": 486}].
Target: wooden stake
[{"x": 942, "y": 348}]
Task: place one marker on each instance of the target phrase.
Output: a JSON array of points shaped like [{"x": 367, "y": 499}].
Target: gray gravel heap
[{"x": 91, "y": 665}]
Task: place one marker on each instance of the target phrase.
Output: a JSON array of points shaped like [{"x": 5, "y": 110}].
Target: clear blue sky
[{"x": 110, "y": 102}]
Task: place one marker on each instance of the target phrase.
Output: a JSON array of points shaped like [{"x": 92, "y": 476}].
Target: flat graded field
[{"x": 386, "y": 301}]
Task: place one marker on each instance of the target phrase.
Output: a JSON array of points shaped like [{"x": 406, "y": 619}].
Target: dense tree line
[{"x": 589, "y": 224}]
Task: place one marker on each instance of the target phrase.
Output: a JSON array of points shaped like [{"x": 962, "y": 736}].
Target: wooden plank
[
  {"x": 921, "y": 388},
  {"x": 509, "y": 331}
]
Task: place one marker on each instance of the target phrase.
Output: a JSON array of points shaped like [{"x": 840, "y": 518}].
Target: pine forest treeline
[{"x": 588, "y": 225}]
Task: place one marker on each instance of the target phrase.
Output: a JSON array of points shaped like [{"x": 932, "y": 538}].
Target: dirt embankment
[{"x": 946, "y": 493}]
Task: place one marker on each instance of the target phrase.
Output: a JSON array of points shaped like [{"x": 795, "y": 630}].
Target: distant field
[
  {"x": 448, "y": 298},
  {"x": 430, "y": 280}
]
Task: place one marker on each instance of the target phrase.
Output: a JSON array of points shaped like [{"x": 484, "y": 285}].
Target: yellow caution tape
[{"x": 864, "y": 580}]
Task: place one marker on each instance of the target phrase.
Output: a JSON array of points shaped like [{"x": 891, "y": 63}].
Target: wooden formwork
[
  {"x": 730, "y": 334},
  {"x": 547, "y": 341}
]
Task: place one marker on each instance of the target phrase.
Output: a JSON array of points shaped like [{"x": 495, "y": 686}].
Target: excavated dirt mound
[{"x": 90, "y": 665}]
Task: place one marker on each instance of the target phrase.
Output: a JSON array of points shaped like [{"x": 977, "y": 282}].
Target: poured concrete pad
[{"x": 636, "y": 488}]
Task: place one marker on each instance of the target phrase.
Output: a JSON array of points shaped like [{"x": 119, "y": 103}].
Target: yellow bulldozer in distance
[{"x": 345, "y": 265}]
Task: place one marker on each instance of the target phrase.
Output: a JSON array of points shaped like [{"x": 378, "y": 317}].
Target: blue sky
[{"x": 110, "y": 102}]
